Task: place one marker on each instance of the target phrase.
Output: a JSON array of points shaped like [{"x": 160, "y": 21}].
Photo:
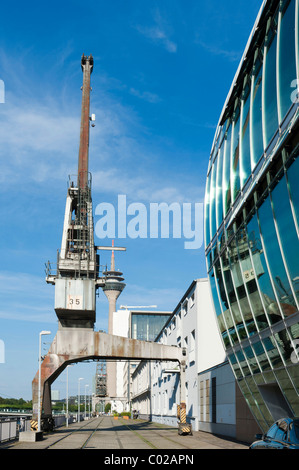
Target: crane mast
[{"x": 77, "y": 275}]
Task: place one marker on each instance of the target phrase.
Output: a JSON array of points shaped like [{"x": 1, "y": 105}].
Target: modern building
[
  {"x": 138, "y": 324},
  {"x": 252, "y": 216},
  {"x": 213, "y": 403}
]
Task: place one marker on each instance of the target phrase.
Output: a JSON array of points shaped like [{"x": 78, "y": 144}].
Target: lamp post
[
  {"x": 67, "y": 393},
  {"x": 43, "y": 332},
  {"x": 81, "y": 378},
  {"x": 85, "y": 402}
]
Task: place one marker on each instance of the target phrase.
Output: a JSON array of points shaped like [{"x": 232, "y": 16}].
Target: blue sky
[{"x": 162, "y": 71}]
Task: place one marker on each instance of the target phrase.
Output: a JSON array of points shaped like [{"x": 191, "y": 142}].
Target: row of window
[{"x": 261, "y": 107}]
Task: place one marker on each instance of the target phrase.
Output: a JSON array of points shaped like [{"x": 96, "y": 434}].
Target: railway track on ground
[{"x": 147, "y": 434}]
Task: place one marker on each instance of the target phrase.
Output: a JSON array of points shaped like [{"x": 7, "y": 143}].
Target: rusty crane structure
[{"x": 76, "y": 280}]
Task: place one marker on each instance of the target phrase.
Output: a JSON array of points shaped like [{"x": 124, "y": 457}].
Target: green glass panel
[
  {"x": 245, "y": 163},
  {"x": 235, "y": 157},
  {"x": 272, "y": 351},
  {"x": 275, "y": 260},
  {"x": 225, "y": 320},
  {"x": 219, "y": 189},
  {"x": 235, "y": 366},
  {"x": 256, "y": 127},
  {"x": 288, "y": 390},
  {"x": 261, "y": 271},
  {"x": 294, "y": 374},
  {"x": 261, "y": 356},
  {"x": 226, "y": 173},
  {"x": 249, "y": 279},
  {"x": 213, "y": 200},
  {"x": 287, "y": 57},
  {"x": 287, "y": 231},
  {"x": 293, "y": 178},
  {"x": 232, "y": 298},
  {"x": 270, "y": 115},
  {"x": 235, "y": 269},
  {"x": 251, "y": 360},
  {"x": 207, "y": 211}
]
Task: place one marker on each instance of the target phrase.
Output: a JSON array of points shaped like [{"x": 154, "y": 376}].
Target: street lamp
[
  {"x": 43, "y": 332},
  {"x": 81, "y": 378},
  {"x": 67, "y": 393},
  {"x": 85, "y": 402}
]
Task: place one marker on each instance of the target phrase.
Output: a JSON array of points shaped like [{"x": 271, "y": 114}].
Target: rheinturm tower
[{"x": 113, "y": 287}]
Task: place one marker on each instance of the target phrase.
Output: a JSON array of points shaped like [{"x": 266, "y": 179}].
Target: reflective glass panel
[
  {"x": 239, "y": 286},
  {"x": 287, "y": 55},
  {"x": 293, "y": 178},
  {"x": 287, "y": 231},
  {"x": 226, "y": 173},
  {"x": 262, "y": 275},
  {"x": 235, "y": 156},
  {"x": 147, "y": 327},
  {"x": 256, "y": 128},
  {"x": 273, "y": 352},
  {"x": 245, "y": 165},
  {"x": 288, "y": 390},
  {"x": 234, "y": 306},
  {"x": 251, "y": 360},
  {"x": 219, "y": 202},
  {"x": 243, "y": 363},
  {"x": 249, "y": 279},
  {"x": 270, "y": 116},
  {"x": 213, "y": 200},
  {"x": 207, "y": 211},
  {"x": 225, "y": 320},
  {"x": 235, "y": 366},
  {"x": 274, "y": 257},
  {"x": 261, "y": 356},
  {"x": 215, "y": 294}
]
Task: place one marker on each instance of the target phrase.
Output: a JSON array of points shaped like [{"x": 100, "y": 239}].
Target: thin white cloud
[
  {"x": 157, "y": 33},
  {"x": 144, "y": 188},
  {"x": 165, "y": 299},
  {"x": 26, "y": 297},
  {"x": 231, "y": 55},
  {"x": 145, "y": 95}
]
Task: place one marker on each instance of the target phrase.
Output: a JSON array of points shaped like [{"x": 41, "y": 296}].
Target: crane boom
[{"x": 87, "y": 67}]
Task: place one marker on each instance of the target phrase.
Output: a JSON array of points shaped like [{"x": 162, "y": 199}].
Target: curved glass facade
[{"x": 252, "y": 217}]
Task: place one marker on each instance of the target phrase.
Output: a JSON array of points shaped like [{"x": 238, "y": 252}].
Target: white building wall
[
  {"x": 210, "y": 351},
  {"x": 225, "y": 400},
  {"x": 193, "y": 326},
  {"x": 120, "y": 328}
]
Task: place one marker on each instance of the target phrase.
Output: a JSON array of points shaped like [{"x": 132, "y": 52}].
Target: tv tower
[{"x": 113, "y": 288}]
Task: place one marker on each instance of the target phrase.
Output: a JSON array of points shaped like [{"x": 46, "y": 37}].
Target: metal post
[
  {"x": 67, "y": 396},
  {"x": 39, "y": 377},
  {"x": 81, "y": 378},
  {"x": 85, "y": 403}
]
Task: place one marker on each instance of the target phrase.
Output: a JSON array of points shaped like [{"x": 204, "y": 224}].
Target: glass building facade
[
  {"x": 146, "y": 326},
  {"x": 252, "y": 217}
]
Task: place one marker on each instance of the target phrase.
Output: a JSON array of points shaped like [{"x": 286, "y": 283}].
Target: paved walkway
[{"x": 105, "y": 432}]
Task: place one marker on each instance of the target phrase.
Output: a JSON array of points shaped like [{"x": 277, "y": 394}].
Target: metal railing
[{"x": 11, "y": 427}]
